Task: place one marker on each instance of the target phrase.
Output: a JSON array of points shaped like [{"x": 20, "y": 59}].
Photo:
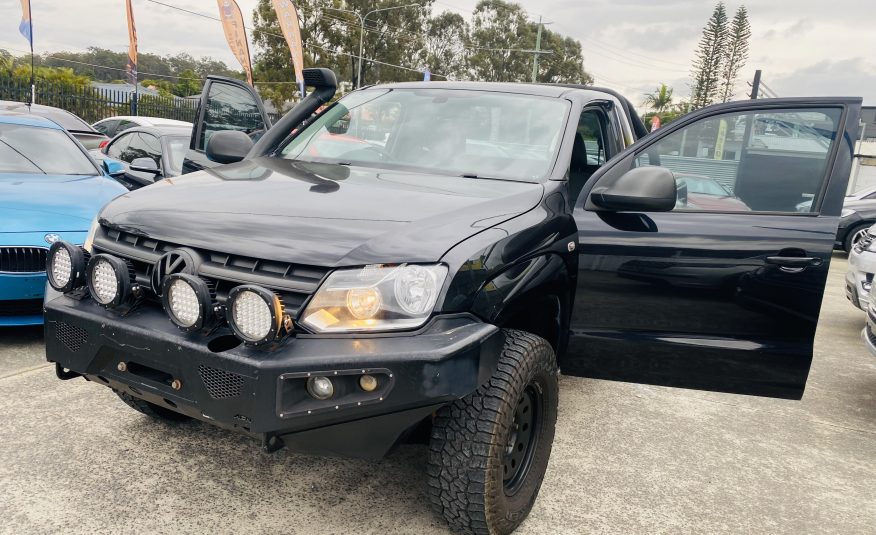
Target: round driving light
[
  {"x": 65, "y": 266},
  {"x": 415, "y": 289},
  {"x": 187, "y": 300},
  {"x": 363, "y": 303},
  {"x": 368, "y": 383},
  {"x": 254, "y": 313},
  {"x": 109, "y": 280},
  {"x": 320, "y": 387}
]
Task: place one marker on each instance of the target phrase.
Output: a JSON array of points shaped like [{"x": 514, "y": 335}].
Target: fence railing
[{"x": 95, "y": 103}]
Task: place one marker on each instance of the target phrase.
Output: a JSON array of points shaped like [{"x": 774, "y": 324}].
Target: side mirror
[
  {"x": 113, "y": 167},
  {"x": 228, "y": 146},
  {"x": 642, "y": 189},
  {"x": 145, "y": 165}
]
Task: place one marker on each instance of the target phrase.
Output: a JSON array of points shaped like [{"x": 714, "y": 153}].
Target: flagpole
[{"x": 32, "y": 82}]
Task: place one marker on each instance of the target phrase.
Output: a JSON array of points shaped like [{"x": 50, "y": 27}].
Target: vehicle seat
[{"x": 579, "y": 169}]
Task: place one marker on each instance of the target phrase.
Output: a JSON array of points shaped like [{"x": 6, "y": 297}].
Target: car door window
[
  {"x": 107, "y": 128},
  {"x": 765, "y": 161},
  {"x": 117, "y": 147},
  {"x": 588, "y": 150},
  {"x": 230, "y": 107},
  {"x": 143, "y": 145},
  {"x": 125, "y": 125}
]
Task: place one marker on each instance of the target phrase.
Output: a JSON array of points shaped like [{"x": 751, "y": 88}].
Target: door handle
[{"x": 798, "y": 262}]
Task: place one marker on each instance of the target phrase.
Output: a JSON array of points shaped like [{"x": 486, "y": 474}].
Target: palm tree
[{"x": 660, "y": 99}]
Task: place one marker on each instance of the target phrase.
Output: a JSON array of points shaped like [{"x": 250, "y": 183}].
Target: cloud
[
  {"x": 849, "y": 77},
  {"x": 795, "y": 30},
  {"x": 662, "y": 37}
]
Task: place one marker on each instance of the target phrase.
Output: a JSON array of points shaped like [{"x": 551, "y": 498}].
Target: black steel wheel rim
[{"x": 520, "y": 447}]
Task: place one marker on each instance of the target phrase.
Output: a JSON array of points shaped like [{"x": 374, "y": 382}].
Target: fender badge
[{"x": 570, "y": 246}]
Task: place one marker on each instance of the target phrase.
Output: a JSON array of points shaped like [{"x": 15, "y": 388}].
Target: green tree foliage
[
  {"x": 660, "y": 99},
  {"x": 735, "y": 53},
  {"x": 188, "y": 83},
  {"x": 707, "y": 66},
  {"x": 445, "y": 49},
  {"x": 413, "y": 39},
  {"x": 107, "y": 66}
]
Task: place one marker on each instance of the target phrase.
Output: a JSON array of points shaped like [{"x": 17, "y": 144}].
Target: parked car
[
  {"x": 859, "y": 213},
  {"x": 424, "y": 286},
  {"x": 705, "y": 193},
  {"x": 113, "y": 126},
  {"x": 862, "y": 267},
  {"x": 50, "y": 190},
  {"x": 149, "y": 154},
  {"x": 868, "y": 333},
  {"x": 82, "y": 131}
]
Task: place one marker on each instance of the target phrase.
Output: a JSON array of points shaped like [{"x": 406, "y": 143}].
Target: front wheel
[
  {"x": 854, "y": 235},
  {"x": 489, "y": 451}
]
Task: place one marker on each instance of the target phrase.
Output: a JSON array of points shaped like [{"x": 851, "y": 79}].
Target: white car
[
  {"x": 862, "y": 266},
  {"x": 112, "y": 126}
]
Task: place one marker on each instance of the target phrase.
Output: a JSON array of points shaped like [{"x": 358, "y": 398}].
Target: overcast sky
[{"x": 804, "y": 47}]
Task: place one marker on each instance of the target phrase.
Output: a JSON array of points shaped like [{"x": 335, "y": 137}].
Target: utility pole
[
  {"x": 755, "y": 85},
  {"x": 537, "y": 50}
]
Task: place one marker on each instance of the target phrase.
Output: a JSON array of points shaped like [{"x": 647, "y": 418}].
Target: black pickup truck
[{"x": 423, "y": 259}]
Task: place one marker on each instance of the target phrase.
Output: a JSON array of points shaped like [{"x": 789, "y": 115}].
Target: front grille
[
  {"x": 293, "y": 282},
  {"x": 220, "y": 383},
  {"x": 23, "y": 259},
  {"x": 21, "y": 307},
  {"x": 70, "y": 335}
]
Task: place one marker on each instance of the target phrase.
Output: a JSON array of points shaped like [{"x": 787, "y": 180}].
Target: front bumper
[
  {"x": 21, "y": 295},
  {"x": 262, "y": 392},
  {"x": 868, "y": 333}
]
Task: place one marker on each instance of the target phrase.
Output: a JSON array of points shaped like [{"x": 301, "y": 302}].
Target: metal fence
[{"x": 93, "y": 103}]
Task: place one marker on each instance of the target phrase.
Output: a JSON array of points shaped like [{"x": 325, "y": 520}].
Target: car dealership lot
[{"x": 627, "y": 458}]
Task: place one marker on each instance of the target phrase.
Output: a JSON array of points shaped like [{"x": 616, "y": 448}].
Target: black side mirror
[
  {"x": 228, "y": 146},
  {"x": 642, "y": 189},
  {"x": 145, "y": 165}
]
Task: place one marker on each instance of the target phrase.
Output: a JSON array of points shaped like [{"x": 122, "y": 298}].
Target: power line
[{"x": 337, "y": 52}]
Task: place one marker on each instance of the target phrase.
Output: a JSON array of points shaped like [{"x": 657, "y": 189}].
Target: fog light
[
  {"x": 320, "y": 387},
  {"x": 65, "y": 266},
  {"x": 109, "y": 280},
  {"x": 187, "y": 300},
  {"x": 368, "y": 383}
]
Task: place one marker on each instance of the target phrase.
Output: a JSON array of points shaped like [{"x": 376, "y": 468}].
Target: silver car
[{"x": 862, "y": 266}]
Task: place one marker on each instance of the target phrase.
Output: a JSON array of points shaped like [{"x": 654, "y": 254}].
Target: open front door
[
  {"x": 226, "y": 104},
  {"x": 723, "y": 292}
]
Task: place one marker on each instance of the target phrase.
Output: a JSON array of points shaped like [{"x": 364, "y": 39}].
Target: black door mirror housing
[
  {"x": 145, "y": 165},
  {"x": 642, "y": 189},
  {"x": 228, "y": 146}
]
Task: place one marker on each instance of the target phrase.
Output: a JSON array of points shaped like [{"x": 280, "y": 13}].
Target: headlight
[
  {"x": 65, "y": 266},
  {"x": 846, "y": 212},
  {"x": 375, "y": 298},
  {"x": 109, "y": 280},
  {"x": 89, "y": 239},
  {"x": 255, "y": 314},
  {"x": 187, "y": 300}
]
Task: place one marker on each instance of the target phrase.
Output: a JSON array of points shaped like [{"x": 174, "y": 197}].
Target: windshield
[
  {"x": 177, "y": 146},
  {"x": 37, "y": 150},
  {"x": 446, "y": 131}
]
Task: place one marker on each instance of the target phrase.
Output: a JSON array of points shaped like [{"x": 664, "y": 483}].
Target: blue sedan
[{"x": 50, "y": 189}]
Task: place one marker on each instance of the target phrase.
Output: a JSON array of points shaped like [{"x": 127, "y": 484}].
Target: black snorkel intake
[{"x": 325, "y": 84}]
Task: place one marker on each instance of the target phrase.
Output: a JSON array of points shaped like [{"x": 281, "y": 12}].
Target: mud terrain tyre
[
  {"x": 489, "y": 451},
  {"x": 151, "y": 409}
]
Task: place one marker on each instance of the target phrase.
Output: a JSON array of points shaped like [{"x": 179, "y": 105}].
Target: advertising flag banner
[
  {"x": 235, "y": 33},
  {"x": 287, "y": 14},
  {"x": 131, "y": 67},
  {"x": 26, "y": 26}
]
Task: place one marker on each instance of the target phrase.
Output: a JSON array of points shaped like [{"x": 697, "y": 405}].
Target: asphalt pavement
[{"x": 627, "y": 459}]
